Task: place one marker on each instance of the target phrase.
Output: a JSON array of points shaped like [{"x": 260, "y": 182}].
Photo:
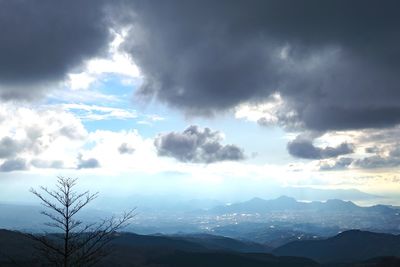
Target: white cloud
[
  {"x": 83, "y": 96},
  {"x": 117, "y": 62},
  {"x": 54, "y": 137},
  {"x": 267, "y": 110},
  {"x": 95, "y": 112},
  {"x": 42, "y": 134},
  {"x": 149, "y": 119},
  {"x": 107, "y": 147},
  {"x": 79, "y": 81},
  {"x": 274, "y": 111}
]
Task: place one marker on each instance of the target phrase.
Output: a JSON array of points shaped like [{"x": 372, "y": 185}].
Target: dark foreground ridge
[
  {"x": 349, "y": 249},
  {"x": 349, "y": 246}
]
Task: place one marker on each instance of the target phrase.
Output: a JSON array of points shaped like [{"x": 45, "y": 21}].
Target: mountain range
[{"x": 284, "y": 203}]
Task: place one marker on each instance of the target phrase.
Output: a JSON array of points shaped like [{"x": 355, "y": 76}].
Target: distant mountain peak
[
  {"x": 286, "y": 198},
  {"x": 282, "y": 198},
  {"x": 257, "y": 199},
  {"x": 286, "y": 203},
  {"x": 353, "y": 233},
  {"x": 341, "y": 203},
  {"x": 335, "y": 201}
]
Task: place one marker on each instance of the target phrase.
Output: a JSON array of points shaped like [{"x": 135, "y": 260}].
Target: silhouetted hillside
[
  {"x": 15, "y": 246},
  {"x": 276, "y": 234},
  {"x": 349, "y": 246},
  {"x": 349, "y": 249},
  {"x": 214, "y": 242},
  {"x": 378, "y": 262},
  {"x": 140, "y": 250},
  {"x": 221, "y": 259},
  {"x": 145, "y": 241}
]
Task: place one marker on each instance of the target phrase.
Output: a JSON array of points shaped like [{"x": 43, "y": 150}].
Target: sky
[{"x": 200, "y": 99}]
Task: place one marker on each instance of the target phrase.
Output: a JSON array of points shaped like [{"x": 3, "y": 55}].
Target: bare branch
[
  {"x": 79, "y": 244},
  {"x": 47, "y": 203}
]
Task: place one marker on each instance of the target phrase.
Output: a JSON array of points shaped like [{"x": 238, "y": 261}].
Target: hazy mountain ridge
[
  {"x": 269, "y": 222},
  {"x": 282, "y": 220},
  {"x": 285, "y": 203},
  {"x": 336, "y": 213}
]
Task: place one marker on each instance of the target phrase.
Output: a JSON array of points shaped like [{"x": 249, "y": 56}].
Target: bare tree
[{"x": 74, "y": 243}]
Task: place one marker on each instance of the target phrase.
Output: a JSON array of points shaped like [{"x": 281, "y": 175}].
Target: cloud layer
[
  {"x": 335, "y": 63},
  {"x": 42, "y": 138},
  {"x": 303, "y": 65},
  {"x": 305, "y": 149},
  {"x": 89, "y": 163},
  {"x": 42, "y": 42},
  {"x": 10, "y": 165},
  {"x": 196, "y": 145}
]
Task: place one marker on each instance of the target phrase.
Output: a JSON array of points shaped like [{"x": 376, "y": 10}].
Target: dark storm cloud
[
  {"x": 41, "y": 41},
  {"x": 10, "y": 165},
  {"x": 302, "y": 148},
  {"x": 89, "y": 163},
  {"x": 335, "y": 63},
  {"x": 196, "y": 145}
]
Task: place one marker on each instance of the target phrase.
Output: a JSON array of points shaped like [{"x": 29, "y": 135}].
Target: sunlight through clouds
[{"x": 117, "y": 63}]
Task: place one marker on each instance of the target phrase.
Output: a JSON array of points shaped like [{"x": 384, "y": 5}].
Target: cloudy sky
[{"x": 200, "y": 98}]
